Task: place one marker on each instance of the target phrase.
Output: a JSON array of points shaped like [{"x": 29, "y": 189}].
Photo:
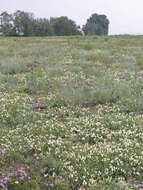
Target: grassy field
[{"x": 71, "y": 113}]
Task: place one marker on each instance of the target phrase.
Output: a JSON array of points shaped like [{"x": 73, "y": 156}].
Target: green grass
[{"x": 71, "y": 113}]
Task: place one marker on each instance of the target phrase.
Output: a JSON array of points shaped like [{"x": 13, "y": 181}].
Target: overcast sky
[{"x": 125, "y": 16}]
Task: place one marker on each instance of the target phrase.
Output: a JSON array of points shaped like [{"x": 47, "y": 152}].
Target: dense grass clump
[
  {"x": 71, "y": 113},
  {"x": 13, "y": 66}
]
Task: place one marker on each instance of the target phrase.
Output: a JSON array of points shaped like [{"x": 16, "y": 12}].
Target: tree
[
  {"x": 64, "y": 27},
  {"x": 96, "y": 25},
  {"x": 6, "y": 24},
  {"x": 42, "y": 27},
  {"x": 23, "y": 23}
]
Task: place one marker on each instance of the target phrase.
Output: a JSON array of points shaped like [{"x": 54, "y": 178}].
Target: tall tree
[
  {"x": 96, "y": 25},
  {"x": 42, "y": 27},
  {"x": 23, "y": 23},
  {"x": 64, "y": 27},
  {"x": 6, "y": 24}
]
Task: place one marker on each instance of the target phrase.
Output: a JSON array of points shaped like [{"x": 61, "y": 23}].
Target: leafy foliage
[
  {"x": 22, "y": 23},
  {"x": 96, "y": 25},
  {"x": 6, "y": 26},
  {"x": 42, "y": 27},
  {"x": 64, "y": 27}
]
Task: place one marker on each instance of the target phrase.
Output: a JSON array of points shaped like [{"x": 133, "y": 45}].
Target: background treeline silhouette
[{"x": 22, "y": 23}]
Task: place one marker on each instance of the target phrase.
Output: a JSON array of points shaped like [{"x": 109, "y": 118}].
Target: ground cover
[{"x": 71, "y": 113}]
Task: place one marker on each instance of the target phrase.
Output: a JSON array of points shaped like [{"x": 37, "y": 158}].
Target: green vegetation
[
  {"x": 96, "y": 25},
  {"x": 22, "y": 23},
  {"x": 71, "y": 113}
]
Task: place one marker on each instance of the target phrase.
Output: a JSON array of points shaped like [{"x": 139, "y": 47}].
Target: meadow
[{"x": 71, "y": 113}]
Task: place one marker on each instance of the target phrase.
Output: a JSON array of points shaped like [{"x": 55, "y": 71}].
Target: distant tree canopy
[
  {"x": 42, "y": 27},
  {"x": 22, "y": 23},
  {"x": 64, "y": 27},
  {"x": 96, "y": 25},
  {"x": 6, "y": 24}
]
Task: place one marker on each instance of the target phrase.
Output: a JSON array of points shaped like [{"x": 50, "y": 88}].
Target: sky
[{"x": 125, "y": 16}]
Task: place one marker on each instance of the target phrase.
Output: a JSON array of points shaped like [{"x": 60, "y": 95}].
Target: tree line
[{"x": 22, "y": 23}]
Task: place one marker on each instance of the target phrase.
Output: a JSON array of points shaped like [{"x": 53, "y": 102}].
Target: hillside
[{"x": 71, "y": 113}]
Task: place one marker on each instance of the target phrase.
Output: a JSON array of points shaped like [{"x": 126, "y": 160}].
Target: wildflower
[
  {"x": 51, "y": 185},
  {"x": 6, "y": 179},
  {"x": 2, "y": 152},
  {"x": 39, "y": 105},
  {"x": 84, "y": 182},
  {"x": 22, "y": 172},
  {"x": 3, "y": 182},
  {"x": 10, "y": 174},
  {"x": 94, "y": 101}
]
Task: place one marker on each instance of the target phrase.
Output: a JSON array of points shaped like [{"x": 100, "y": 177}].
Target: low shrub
[
  {"x": 88, "y": 47},
  {"x": 13, "y": 66},
  {"x": 34, "y": 84},
  {"x": 77, "y": 95},
  {"x": 131, "y": 104},
  {"x": 108, "y": 89}
]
